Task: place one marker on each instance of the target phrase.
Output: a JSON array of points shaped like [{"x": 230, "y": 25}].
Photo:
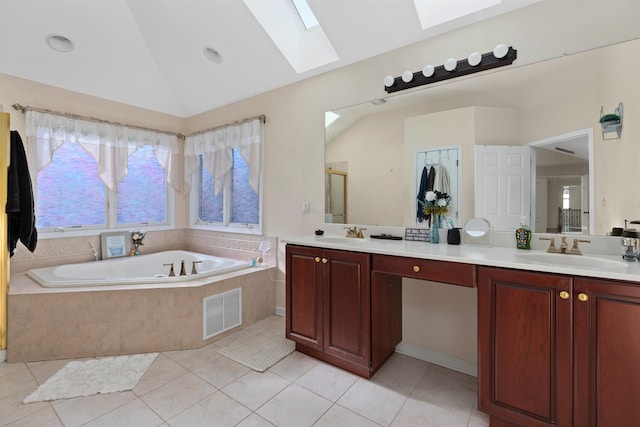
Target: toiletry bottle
[{"x": 523, "y": 235}]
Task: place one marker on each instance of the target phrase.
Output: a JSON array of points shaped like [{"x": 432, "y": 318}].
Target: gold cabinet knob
[
  {"x": 564, "y": 295},
  {"x": 416, "y": 268},
  {"x": 317, "y": 259},
  {"x": 583, "y": 297},
  {"x": 324, "y": 260}
]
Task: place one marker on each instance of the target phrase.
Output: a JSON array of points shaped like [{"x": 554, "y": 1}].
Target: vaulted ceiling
[{"x": 149, "y": 53}]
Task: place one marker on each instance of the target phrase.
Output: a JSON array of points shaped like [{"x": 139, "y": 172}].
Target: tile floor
[{"x": 203, "y": 388}]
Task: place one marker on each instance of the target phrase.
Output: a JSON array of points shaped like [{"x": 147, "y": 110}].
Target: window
[
  {"x": 566, "y": 197},
  {"x": 91, "y": 176},
  {"x": 225, "y": 167},
  {"x": 71, "y": 195}
]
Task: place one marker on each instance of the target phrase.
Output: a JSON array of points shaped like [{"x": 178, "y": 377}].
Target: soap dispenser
[{"x": 523, "y": 235}]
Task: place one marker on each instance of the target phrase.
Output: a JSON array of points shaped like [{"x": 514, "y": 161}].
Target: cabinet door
[
  {"x": 524, "y": 344},
  {"x": 304, "y": 296},
  {"x": 607, "y": 351},
  {"x": 347, "y": 306}
]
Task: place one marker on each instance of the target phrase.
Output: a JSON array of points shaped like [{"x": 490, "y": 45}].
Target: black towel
[
  {"x": 420, "y": 215},
  {"x": 20, "y": 212}
]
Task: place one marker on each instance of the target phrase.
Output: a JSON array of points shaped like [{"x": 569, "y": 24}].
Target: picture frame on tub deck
[{"x": 115, "y": 244}]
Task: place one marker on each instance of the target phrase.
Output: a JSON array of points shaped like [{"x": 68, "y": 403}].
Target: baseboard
[
  {"x": 3, "y": 355},
  {"x": 439, "y": 359},
  {"x": 280, "y": 311}
]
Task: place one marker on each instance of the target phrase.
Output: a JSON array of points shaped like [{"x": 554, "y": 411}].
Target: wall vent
[{"x": 221, "y": 312}]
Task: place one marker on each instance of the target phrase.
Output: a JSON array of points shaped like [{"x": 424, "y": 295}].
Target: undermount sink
[{"x": 581, "y": 261}]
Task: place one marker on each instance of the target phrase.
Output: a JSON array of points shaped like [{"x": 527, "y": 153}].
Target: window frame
[
  {"x": 110, "y": 215},
  {"x": 226, "y": 226}
]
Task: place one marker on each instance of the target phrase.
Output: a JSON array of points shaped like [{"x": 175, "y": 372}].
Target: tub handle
[
  {"x": 171, "y": 272},
  {"x": 193, "y": 267}
]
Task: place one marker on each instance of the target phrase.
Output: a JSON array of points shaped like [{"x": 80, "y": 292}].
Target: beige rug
[
  {"x": 88, "y": 377},
  {"x": 261, "y": 349}
]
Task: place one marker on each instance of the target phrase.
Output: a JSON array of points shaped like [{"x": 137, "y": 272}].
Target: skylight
[
  {"x": 436, "y": 12},
  {"x": 330, "y": 117},
  {"x": 305, "y": 45},
  {"x": 306, "y": 14}
]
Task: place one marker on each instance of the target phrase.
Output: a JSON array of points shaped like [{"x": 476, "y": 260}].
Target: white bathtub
[{"x": 135, "y": 269}]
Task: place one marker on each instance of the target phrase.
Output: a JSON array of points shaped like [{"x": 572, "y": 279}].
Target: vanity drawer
[{"x": 454, "y": 273}]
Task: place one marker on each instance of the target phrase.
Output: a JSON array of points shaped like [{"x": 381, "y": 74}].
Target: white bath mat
[
  {"x": 261, "y": 349},
  {"x": 85, "y": 378}
]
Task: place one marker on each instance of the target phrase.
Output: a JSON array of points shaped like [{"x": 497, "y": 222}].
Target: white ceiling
[{"x": 148, "y": 53}]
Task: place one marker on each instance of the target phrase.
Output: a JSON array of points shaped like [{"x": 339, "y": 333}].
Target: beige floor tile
[
  {"x": 255, "y": 388},
  {"x": 45, "y": 417},
  {"x": 133, "y": 414},
  {"x": 401, "y": 373},
  {"x": 417, "y": 413},
  {"x": 372, "y": 401},
  {"x": 162, "y": 371},
  {"x": 176, "y": 396},
  {"x": 9, "y": 368},
  {"x": 254, "y": 420},
  {"x": 213, "y": 411},
  {"x": 327, "y": 381},
  {"x": 450, "y": 390},
  {"x": 221, "y": 371},
  {"x": 17, "y": 388},
  {"x": 81, "y": 410},
  {"x": 293, "y": 366},
  {"x": 295, "y": 407},
  {"x": 193, "y": 359},
  {"x": 477, "y": 418},
  {"x": 337, "y": 416},
  {"x": 20, "y": 381}
]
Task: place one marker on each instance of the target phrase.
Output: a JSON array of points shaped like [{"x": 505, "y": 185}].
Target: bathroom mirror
[{"x": 512, "y": 106}]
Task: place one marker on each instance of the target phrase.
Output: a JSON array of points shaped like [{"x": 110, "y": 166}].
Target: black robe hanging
[{"x": 21, "y": 216}]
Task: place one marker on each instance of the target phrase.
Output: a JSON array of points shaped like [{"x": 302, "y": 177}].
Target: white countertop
[{"x": 603, "y": 266}]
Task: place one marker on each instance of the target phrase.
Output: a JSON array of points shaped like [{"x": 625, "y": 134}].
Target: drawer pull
[
  {"x": 583, "y": 297},
  {"x": 324, "y": 260},
  {"x": 416, "y": 268},
  {"x": 317, "y": 259},
  {"x": 564, "y": 295}
]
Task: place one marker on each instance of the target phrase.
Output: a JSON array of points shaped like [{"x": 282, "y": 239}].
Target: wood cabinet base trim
[{"x": 359, "y": 370}]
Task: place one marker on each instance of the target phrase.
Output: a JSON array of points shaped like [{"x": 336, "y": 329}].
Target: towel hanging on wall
[{"x": 21, "y": 216}]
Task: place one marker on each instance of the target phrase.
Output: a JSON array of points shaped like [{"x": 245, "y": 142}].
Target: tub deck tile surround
[{"x": 49, "y": 324}]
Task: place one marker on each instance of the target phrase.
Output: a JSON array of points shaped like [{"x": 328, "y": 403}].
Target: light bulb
[
  {"x": 388, "y": 81},
  {"x": 474, "y": 59},
  {"x": 450, "y": 64},
  {"x": 428, "y": 70},
  {"x": 407, "y": 76},
  {"x": 500, "y": 51}
]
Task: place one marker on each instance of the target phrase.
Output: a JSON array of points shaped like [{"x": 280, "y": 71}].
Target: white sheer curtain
[
  {"x": 217, "y": 148},
  {"x": 109, "y": 144}
]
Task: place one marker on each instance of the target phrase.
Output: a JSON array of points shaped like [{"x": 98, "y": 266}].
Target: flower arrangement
[
  {"x": 435, "y": 203},
  {"x": 137, "y": 237}
]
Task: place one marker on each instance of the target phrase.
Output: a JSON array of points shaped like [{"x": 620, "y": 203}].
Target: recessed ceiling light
[
  {"x": 59, "y": 43},
  {"x": 212, "y": 55}
]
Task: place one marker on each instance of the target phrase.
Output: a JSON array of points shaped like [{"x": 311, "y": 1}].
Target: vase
[{"x": 434, "y": 232}]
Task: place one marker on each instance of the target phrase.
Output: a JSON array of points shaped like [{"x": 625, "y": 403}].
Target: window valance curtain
[
  {"x": 109, "y": 144},
  {"x": 216, "y": 147}
]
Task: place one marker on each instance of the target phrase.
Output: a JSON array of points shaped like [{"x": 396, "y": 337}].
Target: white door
[
  {"x": 503, "y": 185},
  {"x": 542, "y": 210},
  {"x": 584, "y": 203}
]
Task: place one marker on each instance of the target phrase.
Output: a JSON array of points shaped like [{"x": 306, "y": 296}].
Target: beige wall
[{"x": 294, "y": 133}]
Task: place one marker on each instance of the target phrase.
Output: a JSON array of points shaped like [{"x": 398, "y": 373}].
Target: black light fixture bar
[{"x": 463, "y": 68}]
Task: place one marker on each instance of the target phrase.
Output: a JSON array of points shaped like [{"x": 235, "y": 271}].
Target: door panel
[{"x": 502, "y": 185}]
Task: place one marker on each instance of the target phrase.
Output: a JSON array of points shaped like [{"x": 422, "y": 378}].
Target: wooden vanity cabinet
[
  {"x": 331, "y": 308},
  {"x": 558, "y": 350},
  {"x": 607, "y": 353},
  {"x": 524, "y": 347}
]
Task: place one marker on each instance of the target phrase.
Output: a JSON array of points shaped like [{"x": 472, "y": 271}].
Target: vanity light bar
[{"x": 451, "y": 69}]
